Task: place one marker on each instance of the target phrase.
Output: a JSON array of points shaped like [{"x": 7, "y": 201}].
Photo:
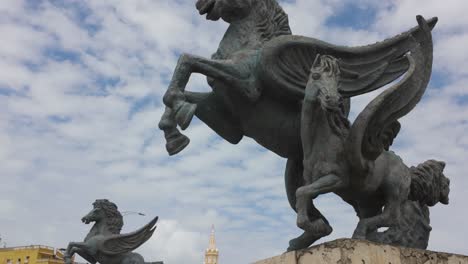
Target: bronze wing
[
  {"x": 377, "y": 125},
  {"x": 285, "y": 63},
  {"x": 123, "y": 243}
]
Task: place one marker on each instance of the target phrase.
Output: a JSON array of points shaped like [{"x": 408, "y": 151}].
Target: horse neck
[
  {"x": 314, "y": 120},
  {"x": 321, "y": 124},
  {"x": 99, "y": 228},
  {"x": 240, "y": 35}
]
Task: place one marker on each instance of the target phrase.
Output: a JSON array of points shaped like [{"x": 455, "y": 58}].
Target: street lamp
[
  {"x": 4, "y": 243},
  {"x": 132, "y": 213}
]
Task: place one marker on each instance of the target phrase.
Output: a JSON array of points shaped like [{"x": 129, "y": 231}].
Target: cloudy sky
[{"x": 81, "y": 83}]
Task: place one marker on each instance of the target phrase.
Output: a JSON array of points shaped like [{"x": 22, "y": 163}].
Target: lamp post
[
  {"x": 125, "y": 213},
  {"x": 4, "y": 243}
]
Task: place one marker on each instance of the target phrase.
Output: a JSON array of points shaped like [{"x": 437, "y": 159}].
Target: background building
[
  {"x": 211, "y": 253},
  {"x": 31, "y": 255}
]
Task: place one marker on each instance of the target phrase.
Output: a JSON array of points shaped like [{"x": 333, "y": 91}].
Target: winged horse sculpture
[
  {"x": 104, "y": 243},
  {"x": 354, "y": 161},
  {"x": 258, "y": 77}
]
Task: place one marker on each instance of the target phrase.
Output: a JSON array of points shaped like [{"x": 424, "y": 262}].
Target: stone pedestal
[{"x": 348, "y": 251}]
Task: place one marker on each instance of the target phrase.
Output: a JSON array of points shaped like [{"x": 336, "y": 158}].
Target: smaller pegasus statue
[
  {"x": 354, "y": 160},
  {"x": 104, "y": 243}
]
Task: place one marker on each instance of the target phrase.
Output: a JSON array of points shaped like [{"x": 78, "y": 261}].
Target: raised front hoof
[
  {"x": 185, "y": 114},
  {"x": 176, "y": 144}
]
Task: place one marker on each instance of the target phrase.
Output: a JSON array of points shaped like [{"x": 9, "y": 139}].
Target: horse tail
[{"x": 428, "y": 183}]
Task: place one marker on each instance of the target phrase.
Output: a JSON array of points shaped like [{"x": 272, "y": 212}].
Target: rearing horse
[
  {"x": 104, "y": 243},
  {"x": 258, "y": 76}
]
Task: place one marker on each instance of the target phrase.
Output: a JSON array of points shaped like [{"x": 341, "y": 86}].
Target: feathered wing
[
  {"x": 377, "y": 125},
  {"x": 286, "y": 62},
  {"x": 123, "y": 243}
]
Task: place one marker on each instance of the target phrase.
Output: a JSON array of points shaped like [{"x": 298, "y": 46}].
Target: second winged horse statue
[
  {"x": 354, "y": 161},
  {"x": 104, "y": 243},
  {"x": 258, "y": 79}
]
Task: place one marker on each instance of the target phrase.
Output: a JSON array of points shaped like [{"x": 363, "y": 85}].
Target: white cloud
[
  {"x": 174, "y": 243},
  {"x": 74, "y": 129}
]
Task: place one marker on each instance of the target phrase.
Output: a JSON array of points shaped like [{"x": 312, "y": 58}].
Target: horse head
[
  {"x": 106, "y": 213},
  {"x": 325, "y": 74},
  {"x": 229, "y": 10}
]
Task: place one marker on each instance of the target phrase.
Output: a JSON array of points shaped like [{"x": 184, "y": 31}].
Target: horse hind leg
[
  {"x": 387, "y": 218},
  {"x": 395, "y": 188}
]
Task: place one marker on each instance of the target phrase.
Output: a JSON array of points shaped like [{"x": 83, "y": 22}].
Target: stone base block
[{"x": 349, "y": 251}]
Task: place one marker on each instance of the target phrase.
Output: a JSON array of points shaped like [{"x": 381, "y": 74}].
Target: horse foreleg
[
  {"x": 305, "y": 194},
  {"x": 175, "y": 141},
  {"x": 223, "y": 70},
  {"x": 71, "y": 250},
  {"x": 321, "y": 228},
  {"x": 84, "y": 254}
]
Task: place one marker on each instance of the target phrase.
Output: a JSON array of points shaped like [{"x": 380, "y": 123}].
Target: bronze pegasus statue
[
  {"x": 258, "y": 79},
  {"x": 354, "y": 161},
  {"x": 104, "y": 243}
]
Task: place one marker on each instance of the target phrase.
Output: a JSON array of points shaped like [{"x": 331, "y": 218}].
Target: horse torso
[
  {"x": 324, "y": 151},
  {"x": 273, "y": 123}
]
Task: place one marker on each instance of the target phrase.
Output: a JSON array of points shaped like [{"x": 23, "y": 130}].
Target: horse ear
[{"x": 316, "y": 61}]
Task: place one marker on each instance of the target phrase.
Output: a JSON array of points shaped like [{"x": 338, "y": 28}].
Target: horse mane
[
  {"x": 338, "y": 120},
  {"x": 114, "y": 219},
  {"x": 272, "y": 20},
  {"x": 427, "y": 180}
]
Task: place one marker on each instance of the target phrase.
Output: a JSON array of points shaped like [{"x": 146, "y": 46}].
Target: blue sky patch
[{"x": 352, "y": 16}]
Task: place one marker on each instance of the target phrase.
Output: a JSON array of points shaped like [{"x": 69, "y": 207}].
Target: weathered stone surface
[{"x": 349, "y": 251}]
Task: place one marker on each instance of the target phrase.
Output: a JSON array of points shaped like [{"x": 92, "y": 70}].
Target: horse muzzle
[
  {"x": 86, "y": 220},
  {"x": 330, "y": 103}
]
